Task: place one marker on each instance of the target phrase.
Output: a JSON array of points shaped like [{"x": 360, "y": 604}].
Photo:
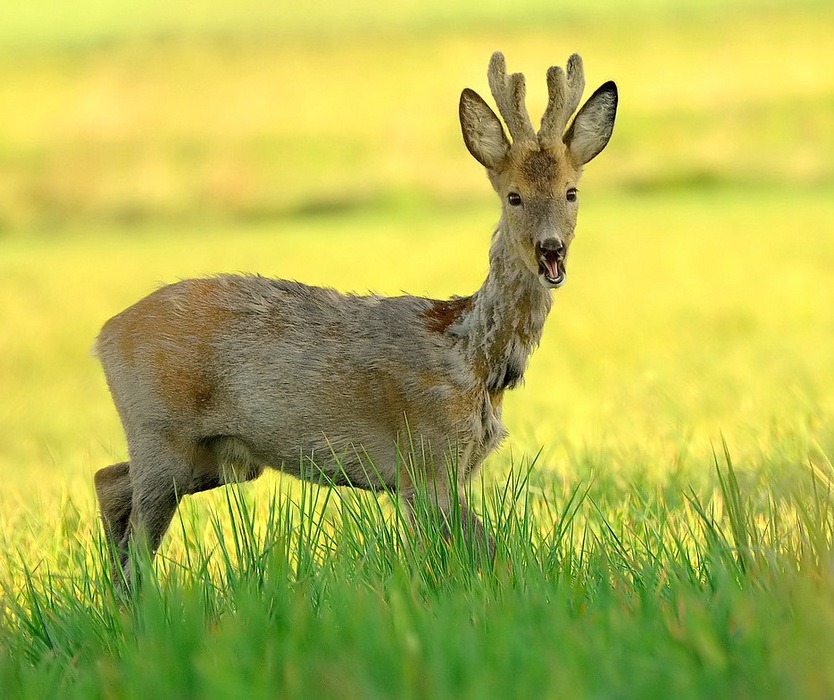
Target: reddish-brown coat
[
  {"x": 444, "y": 312},
  {"x": 172, "y": 332}
]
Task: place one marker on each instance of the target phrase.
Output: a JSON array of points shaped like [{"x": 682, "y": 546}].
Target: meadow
[{"x": 663, "y": 507}]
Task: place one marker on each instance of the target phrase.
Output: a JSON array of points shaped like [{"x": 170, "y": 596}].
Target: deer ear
[
  {"x": 483, "y": 132},
  {"x": 593, "y": 124}
]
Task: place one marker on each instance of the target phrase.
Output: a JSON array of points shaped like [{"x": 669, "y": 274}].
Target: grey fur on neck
[{"x": 507, "y": 317}]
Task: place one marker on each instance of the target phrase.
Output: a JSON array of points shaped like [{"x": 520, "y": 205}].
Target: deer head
[{"x": 536, "y": 175}]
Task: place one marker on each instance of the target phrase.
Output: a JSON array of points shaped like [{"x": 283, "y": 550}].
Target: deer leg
[
  {"x": 443, "y": 507},
  {"x": 474, "y": 532},
  {"x": 115, "y": 495},
  {"x": 161, "y": 471}
]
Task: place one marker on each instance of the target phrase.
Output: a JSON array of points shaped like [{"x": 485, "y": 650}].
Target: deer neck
[{"x": 506, "y": 319}]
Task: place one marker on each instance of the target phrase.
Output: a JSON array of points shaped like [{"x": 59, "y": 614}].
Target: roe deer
[{"x": 216, "y": 378}]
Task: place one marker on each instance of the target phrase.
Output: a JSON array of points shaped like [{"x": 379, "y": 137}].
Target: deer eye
[
  {"x": 570, "y": 195},
  {"x": 514, "y": 198}
]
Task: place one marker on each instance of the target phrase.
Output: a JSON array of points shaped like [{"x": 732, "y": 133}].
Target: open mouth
[{"x": 552, "y": 271}]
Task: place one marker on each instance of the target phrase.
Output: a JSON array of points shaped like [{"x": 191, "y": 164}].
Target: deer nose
[{"x": 551, "y": 248}]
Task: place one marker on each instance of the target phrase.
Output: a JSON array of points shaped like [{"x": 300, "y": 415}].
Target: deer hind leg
[
  {"x": 162, "y": 468},
  {"x": 115, "y": 495}
]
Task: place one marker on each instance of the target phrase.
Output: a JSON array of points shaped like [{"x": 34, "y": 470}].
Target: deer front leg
[
  {"x": 474, "y": 532},
  {"x": 449, "y": 510}
]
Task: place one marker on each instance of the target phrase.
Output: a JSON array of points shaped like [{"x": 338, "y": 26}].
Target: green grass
[
  {"x": 663, "y": 507},
  {"x": 596, "y": 590}
]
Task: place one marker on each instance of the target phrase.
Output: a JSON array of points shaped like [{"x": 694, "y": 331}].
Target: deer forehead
[{"x": 542, "y": 172}]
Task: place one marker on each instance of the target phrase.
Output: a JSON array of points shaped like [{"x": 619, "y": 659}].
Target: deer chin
[{"x": 551, "y": 273}]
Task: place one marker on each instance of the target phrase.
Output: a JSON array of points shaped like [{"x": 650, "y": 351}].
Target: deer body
[
  {"x": 215, "y": 379},
  {"x": 294, "y": 373}
]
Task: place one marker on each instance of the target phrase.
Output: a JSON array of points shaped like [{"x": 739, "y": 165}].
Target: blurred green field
[
  {"x": 141, "y": 144},
  {"x": 153, "y": 126}
]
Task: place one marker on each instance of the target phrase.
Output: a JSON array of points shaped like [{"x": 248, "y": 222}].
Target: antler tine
[
  {"x": 565, "y": 91},
  {"x": 556, "y": 84},
  {"x": 508, "y": 92}
]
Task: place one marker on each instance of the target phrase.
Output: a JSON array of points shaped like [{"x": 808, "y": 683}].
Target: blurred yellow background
[
  {"x": 127, "y": 112},
  {"x": 145, "y": 142}
]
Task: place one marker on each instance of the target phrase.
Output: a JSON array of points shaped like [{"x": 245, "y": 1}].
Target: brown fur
[
  {"x": 538, "y": 169},
  {"x": 444, "y": 312},
  {"x": 114, "y": 494}
]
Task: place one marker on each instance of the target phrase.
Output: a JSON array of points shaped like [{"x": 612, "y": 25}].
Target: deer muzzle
[{"x": 551, "y": 256}]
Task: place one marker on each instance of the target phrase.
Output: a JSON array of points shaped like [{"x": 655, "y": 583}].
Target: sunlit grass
[{"x": 594, "y": 590}]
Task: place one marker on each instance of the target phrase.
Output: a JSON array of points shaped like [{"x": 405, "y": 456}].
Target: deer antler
[
  {"x": 564, "y": 91},
  {"x": 508, "y": 92},
  {"x": 564, "y": 88}
]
